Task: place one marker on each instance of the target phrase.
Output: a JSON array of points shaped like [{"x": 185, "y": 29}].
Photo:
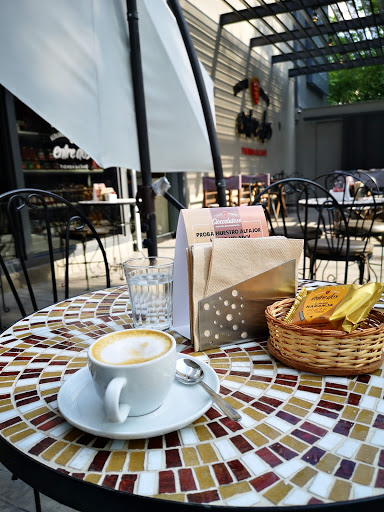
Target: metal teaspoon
[{"x": 189, "y": 372}]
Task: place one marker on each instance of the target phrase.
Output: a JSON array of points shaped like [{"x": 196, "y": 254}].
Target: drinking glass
[{"x": 150, "y": 285}]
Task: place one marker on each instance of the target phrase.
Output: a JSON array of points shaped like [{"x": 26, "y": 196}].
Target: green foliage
[{"x": 353, "y": 85}]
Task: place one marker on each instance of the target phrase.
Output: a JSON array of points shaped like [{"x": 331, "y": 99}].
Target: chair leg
[
  {"x": 37, "y": 501},
  {"x": 85, "y": 263},
  {"x": 361, "y": 271}
]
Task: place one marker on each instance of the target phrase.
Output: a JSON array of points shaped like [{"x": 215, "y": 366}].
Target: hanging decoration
[{"x": 255, "y": 89}]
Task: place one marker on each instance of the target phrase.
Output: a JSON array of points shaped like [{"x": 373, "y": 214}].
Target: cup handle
[{"x": 115, "y": 412}]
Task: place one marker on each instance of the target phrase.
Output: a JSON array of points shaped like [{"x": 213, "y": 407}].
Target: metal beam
[
  {"x": 261, "y": 11},
  {"x": 340, "y": 26},
  {"x": 325, "y": 68},
  {"x": 328, "y": 50}
]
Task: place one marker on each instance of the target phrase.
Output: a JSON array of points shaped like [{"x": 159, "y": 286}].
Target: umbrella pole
[
  {"x": 145, "y": 197},
  {"x": 217, "y": 164}
]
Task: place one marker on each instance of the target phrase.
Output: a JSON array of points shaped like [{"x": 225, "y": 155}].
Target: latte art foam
[{"x": 130, "y": 349}]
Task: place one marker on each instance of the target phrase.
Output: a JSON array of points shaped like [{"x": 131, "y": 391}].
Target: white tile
[
  {"x": 60, "y": 429},
  {"x": 226, "y": 449},
  {"x": 376, "y": 381},
  {"x": 4, "y": 391},
  {"x": 254, "y": 463},
  {"x": 380, "y": 406},
  {"x": 188, "y": 435},
  {"x": 38, "y": 365},
  {"x": 117, "y": 444},
  {"x": 246, "y": 421},
  {"x": 240, "y": 364},
  {"x": 329, "y": 441},
  {"x": 147, "y": 484},
  {"x": 319, "y": 419},
  {"x": 321, "y": 485},
  {"x": 289, "y": 468},
  {"x": 263, "y": 373},
  {"x": 306, "y": 395},
  {"x": 33, "y": 405},
  {"x": 250, "y": 390},
  {"x": 154, "y": 460},
  {"x": 287, "y": 371},
  {"x": 23, "y": 444},
  {"x": 378, "y": 438},
  {"x": 262, "y": 357},
  {"x": 49, "y": 385},
  {"x": 244, "y": 500},
  {"x": 281, "y": 425},
  {"x": 82, "y": 458},
  {"x": 368, "y": 402},
  {"x": 348, "y": 448},
  {"x": 344, "y": 381},
  {"x": 274, "y": 393},
  {"x": 231, "y": 384},
  {"x": 361, "y": 491},
  {"x": 297, "y": 497},
  {"x": 6, "y": 415}
]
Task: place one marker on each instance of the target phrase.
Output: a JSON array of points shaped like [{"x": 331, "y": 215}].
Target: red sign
[{"x": 254, "y": 152}]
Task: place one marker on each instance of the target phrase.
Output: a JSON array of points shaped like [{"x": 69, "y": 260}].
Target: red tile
[
  {"x": 313, "y": 455},
  {"x": 234, "y": 426},
  {"x": 264, "y": 481},
  {"x": 290, "y": 418},
  {"x": 213, "y": 414},
  {"x": 305, "y": 436},
  {"x": 282, "y": 450},
  {"x": 330, "y": 405},
  {"x": 172, "y": 458},
  {"x": 314, "y": 429},
  {"x": 243, "y": 397},
  {"x": 237, "y": 468},
  {"x": 127, "y": 483},
  {"x": 155, "y": 443},
  {"x": 379, "y": 422},
  {"x": 381, "y": 459},
  {"x": 51, "y": 424},
  {"x": 10, "y": 422},
  {"x": 187, "y": 480},
  {"x": 166, "y": 482},
  {"x": 99, "y": 461},
  {"x": 310, "y": 389},
  {"x": 217, "y": 429},
  {"x": 263, "y": 407},
  {"x": 354, "y": 399},
  {"x": 271, "y": 401},
  {"x": 222, "y": 474},
  {"x": 43, "y": 418},
  {"x": 345, "y": 469},
  {"x": 343, "y": 427},
  {"x": 203, "y": 497},
  {"x": 268, "y": 457},
  {"x": 380, "y": 479},
  {"x": 41, "y": 446},
  {"x": 172, "y": 440},
  {"x": 241, "y": 444},
  {"x": 325, "y": 412},
  {"x": 110, "y": 481}
]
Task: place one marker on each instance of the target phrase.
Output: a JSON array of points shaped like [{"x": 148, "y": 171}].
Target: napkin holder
[{"x": 237, "y": 314}]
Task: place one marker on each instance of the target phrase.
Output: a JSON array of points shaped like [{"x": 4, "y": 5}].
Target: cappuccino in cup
[
  {"x": 129, "y": 347},
  {"x": 132, "y": 371}
]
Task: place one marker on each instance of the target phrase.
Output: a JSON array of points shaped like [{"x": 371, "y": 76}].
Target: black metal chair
[
  {"x": 38, "y": 229},
  {"x": 315, "y": 216}
]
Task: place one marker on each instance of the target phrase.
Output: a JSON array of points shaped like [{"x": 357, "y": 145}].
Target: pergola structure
[{"x": 317, "y": 36}]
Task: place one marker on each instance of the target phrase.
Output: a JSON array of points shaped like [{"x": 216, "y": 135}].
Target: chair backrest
[
  {"x": 312, "y": 213},
  {"x": 253, "y": 184},
  {"x": 36, "y": 232},
  {"x": 232, "y": 184}
]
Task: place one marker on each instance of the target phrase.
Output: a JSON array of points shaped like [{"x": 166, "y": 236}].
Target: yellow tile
[
  {"x": 207, "y": 453},
  {"x": 224, "y": 366},
  {"x": 257, "y": 384},
  {"x": 73, "y": 434},
  {"x": 136, "y": 461},
  {"x": 327, "y": 463},
  {"x": 51, "y": 374},
  {"x": 36, "y": 412},
  {"x": 340, "y": 491},
  {"x": 284, "y": 389},
  {"x": 277, "y": 492},
  {"x": 5, "y": 401},
  {"x": 235, "y": 403},
  {"x": 360, "y": 388},
  {"x": 190, "y": 457},
  {"x": 67, "y": 454},
  {"x": 48, "y": 392},
  {"x": 294, "y": 443},
  {"x": 204, "y": 477},
  {"x": 19, "y": 363},
  {"x": 227, "y": 491},
  {"x": 374, "y": 391},
  {"x": 203, "y": 433},
  {"x": 350, "y": 412},
  {"x": 363, "y": 474},
  {"x": 14, "y": 428},
  {"x": 262, "y": 367},
  {"x": 303, "y": 476},
  {"x": 136, "y": 444},
  {"x": 366, "y": 453},
  {"x": 172, "y": 497},
  {"x": 359, "y": 432},
  {"x": 93, "y": 478},
  {"x": 365, "y": 417},
  {"x": 268, "y": 431},
  {"x": 117, "y": 460},
  {"x": 255, "y": 437},
  {"x": 254, "y": 413},
  {"x": 4, "y": 381},
  {"x": 6, "y": 407},
  {"x": 301, "y": 403},
  {"x": 313, "y": 384},
  {"x": 23, "y": 389},
  {"x": 22, "y": 435},
  {"x": 333, "y": 398},
  {"x": 297, "y": 411},
  {"x": 233, "y": 378},
  {"x": 53, "y": 450},
  {"x": 239, "y": 359}
]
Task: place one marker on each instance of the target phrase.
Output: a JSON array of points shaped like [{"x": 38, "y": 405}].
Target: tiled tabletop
[{"x": 303, "y": 438}]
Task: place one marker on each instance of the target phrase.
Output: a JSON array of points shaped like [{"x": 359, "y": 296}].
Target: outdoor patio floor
[{"x": 15, "y": 496}]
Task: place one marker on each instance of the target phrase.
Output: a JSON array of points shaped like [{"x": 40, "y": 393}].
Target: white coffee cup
[{"x": 132, "y": 371}]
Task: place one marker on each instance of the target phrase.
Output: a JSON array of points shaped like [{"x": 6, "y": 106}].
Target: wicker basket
[{"x": 327, "y": 352}]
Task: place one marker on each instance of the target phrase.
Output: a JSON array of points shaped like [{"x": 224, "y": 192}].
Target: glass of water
[{"x": 150, "y": 285}]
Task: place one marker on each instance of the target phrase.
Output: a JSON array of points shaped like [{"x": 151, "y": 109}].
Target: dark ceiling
[{"x": 317, "y": 36}]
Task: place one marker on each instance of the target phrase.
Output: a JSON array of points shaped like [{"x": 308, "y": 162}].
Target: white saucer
[{"x": 81, "y": 406}]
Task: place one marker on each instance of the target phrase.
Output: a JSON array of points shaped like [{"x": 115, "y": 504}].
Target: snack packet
[{"x": 339, "y": 307}]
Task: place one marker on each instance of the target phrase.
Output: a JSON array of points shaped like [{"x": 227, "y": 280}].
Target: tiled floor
[{"x": 15, "y": 496}]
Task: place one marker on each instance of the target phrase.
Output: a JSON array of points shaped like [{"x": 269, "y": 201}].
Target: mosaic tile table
[{"x": 303, "y": 439}]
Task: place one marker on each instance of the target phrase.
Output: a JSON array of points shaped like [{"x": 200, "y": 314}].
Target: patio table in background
[{"x": 303, "y": 440}]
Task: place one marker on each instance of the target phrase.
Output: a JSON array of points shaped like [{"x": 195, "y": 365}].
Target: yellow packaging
[{"x": 339, "y": 307}]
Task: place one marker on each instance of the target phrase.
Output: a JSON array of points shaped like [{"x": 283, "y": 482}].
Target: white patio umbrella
[{"x": 70, "y": 62}]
